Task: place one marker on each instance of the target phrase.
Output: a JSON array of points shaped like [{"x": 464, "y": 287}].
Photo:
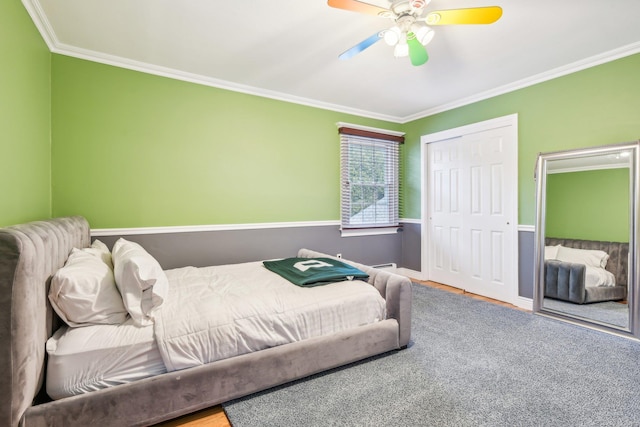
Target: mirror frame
[{"x": 633, "y": 328}]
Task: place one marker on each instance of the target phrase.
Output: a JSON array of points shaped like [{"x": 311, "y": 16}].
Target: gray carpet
[
  {"x": 610, "y": 312},
  {"x": 471, "y": 363}
]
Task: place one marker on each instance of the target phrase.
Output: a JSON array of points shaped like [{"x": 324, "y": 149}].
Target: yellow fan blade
[
  {"x": 358, "y": 6},
  {"x": 474, "y": 15}
]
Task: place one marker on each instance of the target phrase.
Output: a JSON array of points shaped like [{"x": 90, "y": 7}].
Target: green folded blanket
[{"x": 314, "y": 271}]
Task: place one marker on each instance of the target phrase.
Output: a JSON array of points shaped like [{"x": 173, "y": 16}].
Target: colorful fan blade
[
  {"x": 417, "y": 52},
  {"x": 474, "y": 15},
  {"x": 361, "y": 46},
  {"x": 357, "y": 6}
]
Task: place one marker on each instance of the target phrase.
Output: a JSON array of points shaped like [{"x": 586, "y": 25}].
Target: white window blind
[{"x": 370, "y": 183}]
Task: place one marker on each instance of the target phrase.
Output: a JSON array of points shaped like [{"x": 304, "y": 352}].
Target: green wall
[
  {"x": 589, "y": 205},
  {"x": 596, "y": 106},
  {"x": 25, "y": 111},
  {"x": 128, "y": 149},
  {"x": 133, "y": 150}
]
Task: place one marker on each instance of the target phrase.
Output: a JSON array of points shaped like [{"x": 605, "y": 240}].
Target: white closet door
[
  {"x": 472, "y": 182},
  {"x": 446, "y": 214},
  {"x": 489, "y": 221}
]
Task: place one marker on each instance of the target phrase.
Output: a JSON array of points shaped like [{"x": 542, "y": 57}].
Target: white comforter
[
  {"x": 595, "y": 276},
  {"x": 218, "y": 312}
]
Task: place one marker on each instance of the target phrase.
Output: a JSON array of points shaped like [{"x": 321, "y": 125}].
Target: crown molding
[
  {"x": 118, "y": 61},
  {"x": 55, "y": 46},
  {"x": 41, "y": 22},
  {"x": 574, "y": 67}
]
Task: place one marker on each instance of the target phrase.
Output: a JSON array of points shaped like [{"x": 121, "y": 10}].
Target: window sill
[{"x": 374, "y": 231}]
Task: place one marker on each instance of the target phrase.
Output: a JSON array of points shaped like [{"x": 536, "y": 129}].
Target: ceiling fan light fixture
[
  {"x": 422, "y": 33},
  {"x": 417, "y": 52},
  {"x": 392, "y": 36},
  {"x": 412, "y": 30},
  {"x": 401, "y": 49}
]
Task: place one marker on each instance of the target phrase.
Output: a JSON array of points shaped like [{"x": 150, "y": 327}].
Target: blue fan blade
[{"x": 361, "y": 46}]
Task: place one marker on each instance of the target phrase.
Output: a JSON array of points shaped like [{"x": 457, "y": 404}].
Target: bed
[
  {"x": 31, "y": 253},
  {"x": 585, "y": 271}
]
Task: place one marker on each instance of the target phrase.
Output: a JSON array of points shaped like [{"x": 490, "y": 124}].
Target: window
[{"x": 370, "y": 184}]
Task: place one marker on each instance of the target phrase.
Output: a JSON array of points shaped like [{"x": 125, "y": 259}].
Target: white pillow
[
  {"x": 100, "y": 250},
  {"x": 589, "y": 257},
  {"x": 84, "y": 292},
  {"x": 140, "y": 279},
  {"x": 551, "y": 252}
]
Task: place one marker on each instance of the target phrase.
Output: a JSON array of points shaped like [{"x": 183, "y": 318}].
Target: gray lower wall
[
  {"x": 526, "y": 253},
  {"x": 411, "y": 256},
  {"x": 200, "y": 249}
]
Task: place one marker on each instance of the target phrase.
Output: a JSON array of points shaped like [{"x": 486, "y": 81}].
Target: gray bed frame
[
  {"x": 565, "y": 281},
  {"x": 31, "y": 253}
]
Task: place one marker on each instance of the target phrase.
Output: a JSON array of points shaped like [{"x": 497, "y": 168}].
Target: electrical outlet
[{"x": 339, "y": 255}]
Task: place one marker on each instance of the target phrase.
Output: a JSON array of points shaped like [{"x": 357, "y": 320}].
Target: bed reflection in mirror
[{"x": 585, "y": 238}]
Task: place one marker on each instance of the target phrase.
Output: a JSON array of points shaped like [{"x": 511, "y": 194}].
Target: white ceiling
[{"x": 288, "y": 49}]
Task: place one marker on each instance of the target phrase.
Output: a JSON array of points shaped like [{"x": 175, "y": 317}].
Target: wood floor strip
[{"x": 211, "y": 417}]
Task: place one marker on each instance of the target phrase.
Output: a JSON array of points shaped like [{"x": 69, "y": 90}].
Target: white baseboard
[{"x": 522, "y": 302}]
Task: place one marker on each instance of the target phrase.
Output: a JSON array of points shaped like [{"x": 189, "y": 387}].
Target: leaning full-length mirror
[{"x": 586, "y": 236}]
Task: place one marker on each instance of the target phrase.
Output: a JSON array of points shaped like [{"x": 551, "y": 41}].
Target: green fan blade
[{"x": 417, "y": 52}]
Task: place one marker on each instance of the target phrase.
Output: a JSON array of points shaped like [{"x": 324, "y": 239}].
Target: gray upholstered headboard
[
  {"x": 29, "y": 255},
  {"x": 618, "y": 254}
]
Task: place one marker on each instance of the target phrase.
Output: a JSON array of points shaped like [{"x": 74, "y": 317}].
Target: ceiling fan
[{"x": 412, "y": 30}]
